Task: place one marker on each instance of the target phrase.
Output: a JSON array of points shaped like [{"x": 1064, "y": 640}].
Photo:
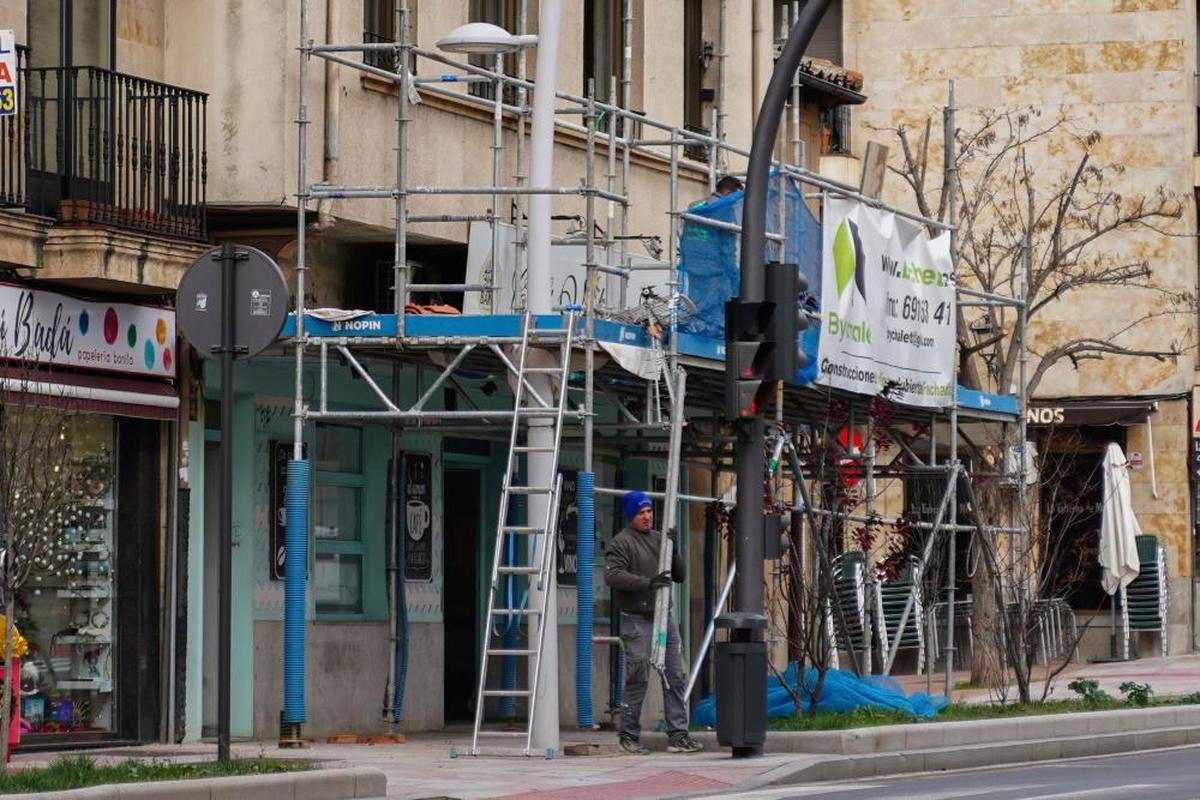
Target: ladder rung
[
  {"x": 486, "y": 732},
  {"x": 514, "y": 612},
  {"x": 505, "y": 693},
  {"x": 494, "y": 651},
  {"x": 543, "y": 370},
  {"x": 521, "y": 448},
  {"x": 518, "y": 570},
  {"x": 530, "y": 489},
  {"x": 539, "y": 332},
  {"x": 530, "y": 529}
]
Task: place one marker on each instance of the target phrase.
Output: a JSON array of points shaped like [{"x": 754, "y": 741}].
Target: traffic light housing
[
  {"x": 749, "y": 355},
  {"x": 786, "y": 289}
]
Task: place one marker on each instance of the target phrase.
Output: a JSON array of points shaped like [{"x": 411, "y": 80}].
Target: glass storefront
[{"x": 67, "y": 610}]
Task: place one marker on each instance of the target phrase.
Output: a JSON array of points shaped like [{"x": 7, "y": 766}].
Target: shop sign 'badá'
[
  {"x": 48, "y": 328},
  {"x": 887, "y": 306}
]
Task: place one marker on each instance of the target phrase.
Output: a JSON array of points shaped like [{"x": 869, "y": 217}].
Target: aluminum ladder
[{"x": 539, "y": 535}]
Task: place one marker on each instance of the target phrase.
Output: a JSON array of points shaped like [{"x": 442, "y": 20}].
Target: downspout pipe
[{"x": 332, "y": 116}]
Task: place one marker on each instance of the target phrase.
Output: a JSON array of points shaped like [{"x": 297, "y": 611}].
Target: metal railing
[
  {"x": 381, "y": 58},
  {"x": 101, "y": 147}
]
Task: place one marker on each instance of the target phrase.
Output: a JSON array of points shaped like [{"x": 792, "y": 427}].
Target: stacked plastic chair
[
  {"x": 850, "y": 593},
  {"x": 1144, "y": 600},
  {"x": 890, "y": 600}
]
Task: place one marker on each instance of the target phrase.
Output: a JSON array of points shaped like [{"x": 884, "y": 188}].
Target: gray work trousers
[{"x": 637, "y": 631}]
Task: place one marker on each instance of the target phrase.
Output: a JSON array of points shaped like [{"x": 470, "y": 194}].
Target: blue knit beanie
[{"x": 633, "y": 502}]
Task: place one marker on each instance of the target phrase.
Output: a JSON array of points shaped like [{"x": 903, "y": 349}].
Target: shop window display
[{"x": 66, "y": 607}]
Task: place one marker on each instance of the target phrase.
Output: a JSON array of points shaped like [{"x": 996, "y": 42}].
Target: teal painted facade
[{"x": 349, "y": 653}]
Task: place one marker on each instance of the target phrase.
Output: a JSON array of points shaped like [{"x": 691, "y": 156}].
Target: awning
[
  {"x": 1074, "y": 413},
  {"x": 99, "y": 393}
]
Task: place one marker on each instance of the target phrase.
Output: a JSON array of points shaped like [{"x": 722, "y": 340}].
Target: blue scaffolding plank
[{"x": 452, "y": 326}]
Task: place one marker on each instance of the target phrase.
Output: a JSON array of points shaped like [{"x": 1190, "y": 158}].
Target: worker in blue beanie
[{"x": 631, "y": 569}]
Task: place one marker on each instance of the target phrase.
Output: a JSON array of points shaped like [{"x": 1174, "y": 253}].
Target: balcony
[{"x": 93, "y": 147}]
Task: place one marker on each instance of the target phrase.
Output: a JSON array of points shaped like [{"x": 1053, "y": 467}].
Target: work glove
[{"x": 661, "y": 580}]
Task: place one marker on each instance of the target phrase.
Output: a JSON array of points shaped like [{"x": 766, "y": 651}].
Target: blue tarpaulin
[
  {"x": 709, "y": 271},
  {"x": 843, "y": 691}
]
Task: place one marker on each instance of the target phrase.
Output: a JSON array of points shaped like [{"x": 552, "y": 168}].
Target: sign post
[{"x": 232, "y": 302}]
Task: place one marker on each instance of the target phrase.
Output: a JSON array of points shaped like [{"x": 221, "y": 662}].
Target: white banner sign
[
  {"x": 887, "y": 306},
  {"x": 8, "y": 73},
  {"x": 48, "y": 328}
]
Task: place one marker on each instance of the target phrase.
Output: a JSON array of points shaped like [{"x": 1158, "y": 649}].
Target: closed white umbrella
[{"x": 1119, "y": 561}]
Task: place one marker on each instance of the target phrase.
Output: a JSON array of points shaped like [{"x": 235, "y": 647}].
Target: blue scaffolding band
[
  {"x": 295, "y": 573},
  {"x": 585, "y": 544}
]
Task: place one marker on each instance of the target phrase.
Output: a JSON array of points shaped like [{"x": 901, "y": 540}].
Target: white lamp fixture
[{"x": 483, "y": 38}]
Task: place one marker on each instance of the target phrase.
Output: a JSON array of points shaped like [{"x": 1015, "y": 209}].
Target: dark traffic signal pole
[{"x": 741, "y": 722}]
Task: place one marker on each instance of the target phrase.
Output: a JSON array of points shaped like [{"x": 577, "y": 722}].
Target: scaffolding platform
[{"x": 438, "y": 330}]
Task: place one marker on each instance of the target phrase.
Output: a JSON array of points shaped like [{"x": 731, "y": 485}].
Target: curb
[
  {"x": 975, "y": 756},
  {"x": 859, "y": 753},
  {"x": 318, "y": 784},
  {"x": 934, "y": 735}
]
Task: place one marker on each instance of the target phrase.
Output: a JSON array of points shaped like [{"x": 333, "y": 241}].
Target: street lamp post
[{"x": 488, "y": 39}]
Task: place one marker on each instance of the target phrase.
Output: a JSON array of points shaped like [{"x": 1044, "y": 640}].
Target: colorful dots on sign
[
  {"x": 111, "y": 324},
  {"x": 149, "y": 354},
  {"x": 83, "y": 322},
  {"x": 160, "y": 331},
  {"x": 131, "y": 336},
  {"x": 167, "y": 359}
]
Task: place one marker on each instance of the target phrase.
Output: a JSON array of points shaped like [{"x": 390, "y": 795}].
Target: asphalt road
[{"x": 1155, "y": 775}]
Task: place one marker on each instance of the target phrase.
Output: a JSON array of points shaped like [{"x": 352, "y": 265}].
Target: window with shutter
[{"x": 827, "y": 40}]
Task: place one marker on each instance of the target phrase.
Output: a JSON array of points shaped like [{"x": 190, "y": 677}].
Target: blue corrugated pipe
[
  {"x": 295, "y": 573},
  {"x": 585, "y": 544}
]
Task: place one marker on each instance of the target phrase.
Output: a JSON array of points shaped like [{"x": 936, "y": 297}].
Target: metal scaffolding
[{"x": 626, "y": 416}]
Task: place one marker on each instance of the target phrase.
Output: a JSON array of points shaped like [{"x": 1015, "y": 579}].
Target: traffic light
[
  {"x": 786, "y": 287},
  {"x": 749, "y": 353}
]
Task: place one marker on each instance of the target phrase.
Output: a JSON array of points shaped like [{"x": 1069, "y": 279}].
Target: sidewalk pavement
[{"x": 423, "y": 767}]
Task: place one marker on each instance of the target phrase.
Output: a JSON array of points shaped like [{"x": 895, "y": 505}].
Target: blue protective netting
[
  {"x": 709, "y": 270},
  {"x": 843, "y": 691}
]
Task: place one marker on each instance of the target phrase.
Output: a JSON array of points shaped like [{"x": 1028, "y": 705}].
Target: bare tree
[{"x": 1068, "y": 224}]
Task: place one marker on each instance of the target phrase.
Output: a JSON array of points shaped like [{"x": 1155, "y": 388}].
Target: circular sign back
[{"x": 260, "y": 297}]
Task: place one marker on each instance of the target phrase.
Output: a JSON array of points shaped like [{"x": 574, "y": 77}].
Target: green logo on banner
[{"x": 848, "y": 259}]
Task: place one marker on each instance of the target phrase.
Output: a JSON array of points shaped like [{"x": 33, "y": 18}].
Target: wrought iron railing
[
  {"x": 105, "y": 148},
  {"x": 380, "y": 58},
  {"x": 12, "y": 143}
]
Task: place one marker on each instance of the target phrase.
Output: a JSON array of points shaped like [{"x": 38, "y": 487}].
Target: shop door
[
  {"x": 212, "y": 511},
  {"x": 462, "y": 525}
]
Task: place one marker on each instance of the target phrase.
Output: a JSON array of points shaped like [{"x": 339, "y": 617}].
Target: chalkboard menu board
[
  {"x": 568, "y": 530},
  {"x": 416, "y": 516}
]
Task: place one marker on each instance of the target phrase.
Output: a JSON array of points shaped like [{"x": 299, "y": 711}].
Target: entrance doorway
[{"x": 462, "y": 524}]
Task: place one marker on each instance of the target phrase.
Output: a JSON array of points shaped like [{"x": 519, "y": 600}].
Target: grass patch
[
  {"x": 873, "y": 717},
  {"x": 76, "y": 772}
]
